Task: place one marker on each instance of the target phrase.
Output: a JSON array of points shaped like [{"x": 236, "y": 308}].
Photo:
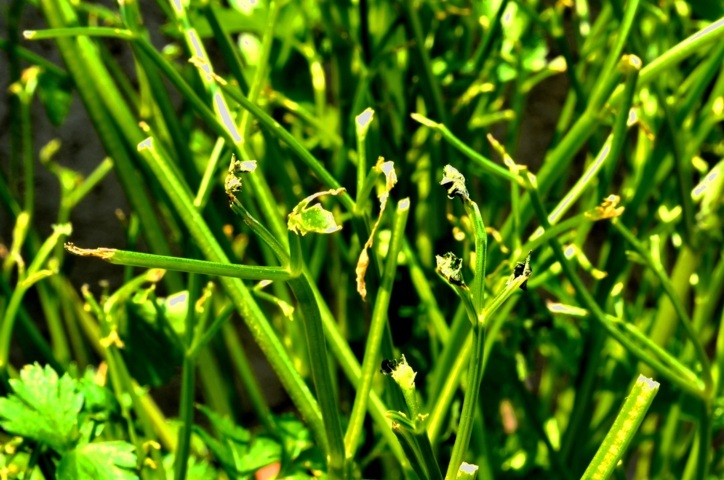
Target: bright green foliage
[
  {"x": 217, "y": 117},
  {"x": 99, "y": 461},
  {"x": 43, "y": 407},
  {"x": 241, "y": 453}
]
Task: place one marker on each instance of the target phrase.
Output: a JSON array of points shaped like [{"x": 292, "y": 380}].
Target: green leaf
[
  {"x": 237, "y": 452},
  {"x": 99, "y": 461},
  {"x": 55, "y": 95},
  {"x": 43, "y": 408},
  {"x": 198, "y": 469},
  {"x": 225, "y": 427},
  {"x": 151, "y": 351},
  {"x": 305, "y": 219}
]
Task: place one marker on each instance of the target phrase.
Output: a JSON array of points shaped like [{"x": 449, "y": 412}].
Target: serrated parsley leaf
[
  {"x": 43, "y": 407},
  {"x": 99, "y": 461}
]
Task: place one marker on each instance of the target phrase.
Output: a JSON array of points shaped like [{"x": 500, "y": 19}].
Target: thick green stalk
[
  {"x": 624, "y": 428},
  {"x": 321, "y": 373}
]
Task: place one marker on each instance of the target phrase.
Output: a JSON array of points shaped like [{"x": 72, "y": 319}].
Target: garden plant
[{"x": 362, "y": 239}]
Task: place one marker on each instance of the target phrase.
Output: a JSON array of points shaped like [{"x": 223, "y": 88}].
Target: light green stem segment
[
  {"x": 35, "y": 273},
  {"x": 684, "y": 317},
  {"x": 147, "y": 260},
  {"x": 475, "y": 371},
  {"x": 321, "y": 373},
  {"x": 623, "y": 430},
  {"x": 374, "y": 339}
]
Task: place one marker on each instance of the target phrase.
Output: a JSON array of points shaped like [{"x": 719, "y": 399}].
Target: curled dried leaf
[
  {"x": 232, "y": 182},
  {"x": 388, "y": 169},
  {"x": 450, "y": 267},
  {"x": 454, "y": 182}
]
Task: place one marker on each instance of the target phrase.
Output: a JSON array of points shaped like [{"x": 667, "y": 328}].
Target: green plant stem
[
  {"x": 35, "y": 59},
  {"x": 73, "y": 32},
  {"x": 278, "y": 131},
  {"x": 316, "y": 345},
  {"x": 662, "y": 362},
  {"x": 188, "y": 384},
  {"x": 621, "y": 434},
  {"x": 90, "y": 78},
  {"x": 32, "y": 275},
  {"x": 374, "y": 337},
  {"x": 260, "y": 230},
  {"x": 475, "y": 376},
  {"x": 261, "y": 69},
  {"x": 478, "y": 319},
  {"x": 430, "y": 81},
  {"x": 614, "y": 54},
  {"x": 676, "y": 54},
  {"x": 147, "y": 260},
  {"x": 424, "y": 291},
  {"x": 339, "y": 346},
  {"x": 675, "y": 301},
  {"x": 485, "y": 163},
  {"x": 248, "y": 377}
]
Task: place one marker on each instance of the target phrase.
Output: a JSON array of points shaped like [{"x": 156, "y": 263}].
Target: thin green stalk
[
  {"x": 484, "y": 163},
  {"x": 424, "y": 291},
  {"x": 36, "y": 59},
  {"x": 179, "y": 264},
  {"x": 319, "y": 364},
  {"x": 78, "y": 193},
  {"x": 475, "y": 369},
  {"x": 188, "y": 384},
  {"x": 25, "y": 92},
  {"x": 278, "y": 131},
  {"x": 684, "y": 317},
  {"x": 33, "y": 274},
  {"x": 430, "y": 82},
  {"x": 260, "y": 230},
  {"x": 73, "y": 32},
  {"x": 637, "y": 343},
  {"x": 719, "y": 384},
  {"x": 248, "y": 378},
  {"x": 624, "y": 429},
  {"x": 374, "y": 337},
  {"x": 676, "y": 54},
  {"x": 260, "y": 73},
  {"x": 86, "y": 79},
  {"x": 614, "y": 54},
  {"x": 337, "y": 343}
]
